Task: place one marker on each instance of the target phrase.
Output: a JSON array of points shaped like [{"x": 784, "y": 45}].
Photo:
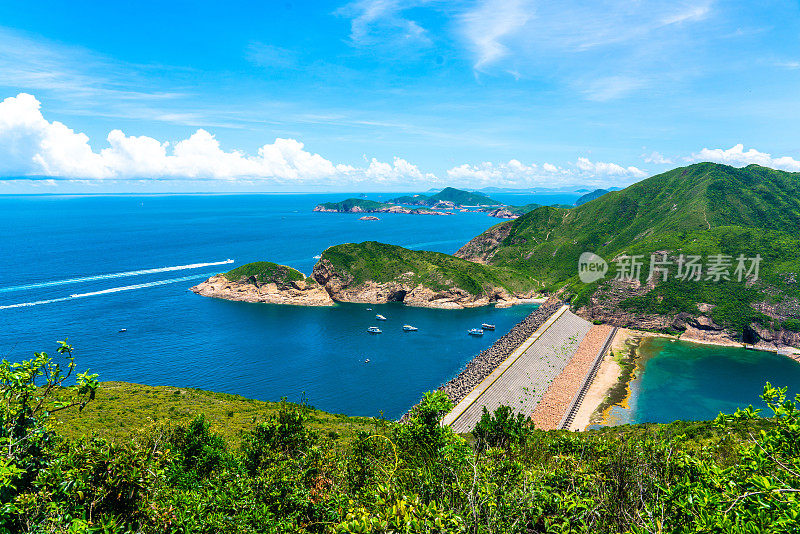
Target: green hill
[
  {"x": 462, "y": 198},
  {"x": 352, "y": 205},
  {"x": 704, "y": 209},
  {"x": 357, "y": 263},
  {"x": 597, "y": 193},
  {"x": 265, "y": 272},
  {"x": 459, "y": 197}
]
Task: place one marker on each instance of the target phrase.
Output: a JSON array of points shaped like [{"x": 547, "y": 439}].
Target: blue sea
[{"x": 84, "y": 267}]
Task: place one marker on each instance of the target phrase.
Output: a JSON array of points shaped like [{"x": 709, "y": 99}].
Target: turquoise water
[
  {"x": 678, "y": 380},
  {"x": 118, "y": 246}
]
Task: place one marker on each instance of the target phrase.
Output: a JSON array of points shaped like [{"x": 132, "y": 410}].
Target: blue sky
[{"x": 389, "y": 95}]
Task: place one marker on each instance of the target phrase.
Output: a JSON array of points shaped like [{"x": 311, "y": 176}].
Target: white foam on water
[
  {"x": 112, "y": 275},
  {"x": 108, "y": 291}
]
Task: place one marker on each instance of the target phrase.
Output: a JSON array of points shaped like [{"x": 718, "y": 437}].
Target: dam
[{"x": 541, "y": 369}]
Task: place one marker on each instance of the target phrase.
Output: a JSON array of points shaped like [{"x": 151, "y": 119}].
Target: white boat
[
  {"x": 409, "y": 328},
  {"x": 475, "y": 332},
  {"x": 374, "y": 330},
  {"x": 380, "y": 317},
  {"x": 486, "y": 326},
  {"x": 366, "y": 361},
  {"x": 123, "y": 329}
]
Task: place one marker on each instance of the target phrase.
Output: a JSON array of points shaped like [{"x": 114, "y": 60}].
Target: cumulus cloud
[
  {"x": 30, "y": 145},
  {"x": 737, "y": 156},
  {"x": 517, "y": 174},
  {"x": 656, "y": 158}
]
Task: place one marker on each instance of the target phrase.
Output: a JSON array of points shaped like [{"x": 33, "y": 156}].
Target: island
[
  {"x": 375, "y": 273},
  {"x": 361, "y": 205}
]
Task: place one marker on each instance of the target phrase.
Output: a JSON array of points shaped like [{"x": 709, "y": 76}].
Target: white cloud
[
  {"x": 381, "y": 22},
  {"x": 517, "y": 174},
  {"x": 490, "y": 23},
  {"x": 656, "y": 158},
  {"x": 737, "y": 156},
  {"x": 30, "y": 145}
]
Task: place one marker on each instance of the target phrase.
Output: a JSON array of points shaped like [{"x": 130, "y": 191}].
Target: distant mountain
[
  {"x": 597, "y": 193},
  {"x": 451, "y": 195},
  {"x": 582, "y": 190},
  {"x": 460, "y": 197}
]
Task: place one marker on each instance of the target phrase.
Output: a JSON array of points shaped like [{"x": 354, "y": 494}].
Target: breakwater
[
  {"x": 487, "y": 361},
  {"x": 482, "y": 365}
]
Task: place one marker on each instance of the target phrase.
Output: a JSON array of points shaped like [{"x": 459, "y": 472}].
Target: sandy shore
[{"x": 609, "y": 375}]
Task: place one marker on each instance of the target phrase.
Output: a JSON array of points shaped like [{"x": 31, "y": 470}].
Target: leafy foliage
[
  {"x": 738, "y": 474},
  {"x": 265, "y": 272}
]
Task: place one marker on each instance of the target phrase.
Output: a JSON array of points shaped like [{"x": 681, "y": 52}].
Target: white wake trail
[
  {"x": 112, "y": 275},
  {"x": 108, "y": 291}
]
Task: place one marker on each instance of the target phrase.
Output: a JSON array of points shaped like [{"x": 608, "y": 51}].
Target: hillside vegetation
[
  {"x": 379, "y": 262},
  {"x": 704, "y": 209},
  {"x": 265, "y": 272},
  {"x": 285, "y": 473}
]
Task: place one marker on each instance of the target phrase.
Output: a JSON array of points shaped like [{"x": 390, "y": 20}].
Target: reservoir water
[
  {"x": 85, "y": 267},
  {"x": 689, "y": 381}
]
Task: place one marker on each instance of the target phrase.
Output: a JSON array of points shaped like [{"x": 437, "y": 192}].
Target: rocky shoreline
[{"x": 298, "y": 293}]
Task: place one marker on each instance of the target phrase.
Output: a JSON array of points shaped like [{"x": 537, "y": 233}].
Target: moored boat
[
  {"x": 487, "y": 326},
  {"x": 475, "y": 332},
  {"x": 409, "y": 328},
  {"x": 374, "y": 330},
  {"x": 380, "y": 317}
]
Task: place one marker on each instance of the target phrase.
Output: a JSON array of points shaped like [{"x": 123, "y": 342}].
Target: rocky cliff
[{"x": 342, "y": 287}]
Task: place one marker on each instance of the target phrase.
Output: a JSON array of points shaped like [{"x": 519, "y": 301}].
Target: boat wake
[
  {"x": 108, "y": 291},
  {"x": 112, "y": 275}
]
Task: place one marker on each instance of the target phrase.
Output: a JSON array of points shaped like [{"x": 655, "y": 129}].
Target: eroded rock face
[
  {"x": 503, "y": 213},
  {"x": 604, "y": 306},
  {"x": 299, "y": 293},
  {"x": 342, "y": 288},
  {"x": 481, "y": 248}
]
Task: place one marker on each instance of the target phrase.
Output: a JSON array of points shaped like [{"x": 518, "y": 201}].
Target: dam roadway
[{"x": 544, "y": 377}]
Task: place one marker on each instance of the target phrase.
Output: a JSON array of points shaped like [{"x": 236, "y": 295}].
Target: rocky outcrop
[
  {"x": 343, "y": 288},
  {"x": 368, "y": 218},
  {"x": 298, "y": 293},
  {"x": 604, "y": 305},
  {"x": 503, "y": 213},
  {"x": 480, "y": 249}
]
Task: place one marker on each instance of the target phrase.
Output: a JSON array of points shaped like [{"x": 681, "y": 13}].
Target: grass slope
[
  {"x": 265, "y": 272},
  {"x": 382, "y": 263},
  {"x": 122, "y": 409}
]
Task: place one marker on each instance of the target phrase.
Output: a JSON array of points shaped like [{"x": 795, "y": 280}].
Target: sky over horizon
[{"x": 383, "y": 95}]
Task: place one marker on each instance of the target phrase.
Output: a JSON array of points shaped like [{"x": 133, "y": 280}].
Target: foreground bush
[{"x": 739, "y": 473}]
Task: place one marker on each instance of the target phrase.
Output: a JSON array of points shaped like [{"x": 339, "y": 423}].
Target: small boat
[
  {"x": 123, "y": 330},
  {"x": 475, "y": 332},
  {"x": 486, "y": 326},
  {"x": 366, "y": 361},
  {"x": 369, "y": 309},
  {"x": 380, "y": 317},
  {"x": 409, "y": 328},
  {"x": 374, "y": 330}
]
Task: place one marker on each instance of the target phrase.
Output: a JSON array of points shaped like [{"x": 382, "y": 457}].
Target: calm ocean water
[
  {"x": 177, "y": 338},
  {"x": 687, "y": 381}
]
